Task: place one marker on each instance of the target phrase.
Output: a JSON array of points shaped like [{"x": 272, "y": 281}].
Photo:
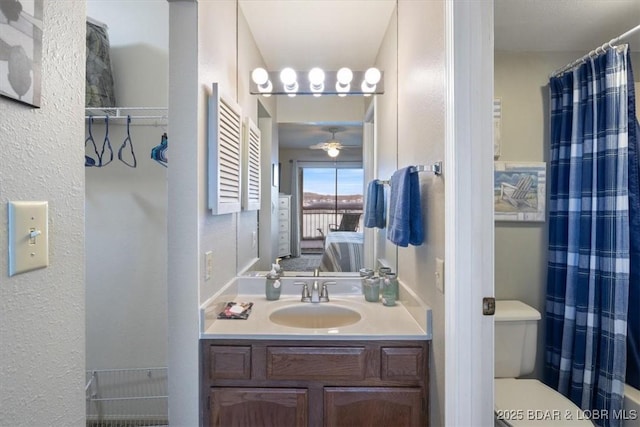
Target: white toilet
[{"x": 525, "y": 402}]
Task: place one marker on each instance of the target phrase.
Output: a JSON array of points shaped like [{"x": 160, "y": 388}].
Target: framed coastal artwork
[
  {"x": 520, "y": 191},
  {"x": 21, "y": 27}
]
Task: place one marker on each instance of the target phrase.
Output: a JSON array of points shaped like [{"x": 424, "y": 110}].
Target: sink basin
[{"x": 315, "y": 316}]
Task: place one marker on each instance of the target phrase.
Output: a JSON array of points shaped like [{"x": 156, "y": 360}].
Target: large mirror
[{"x": 323, "y": 191}]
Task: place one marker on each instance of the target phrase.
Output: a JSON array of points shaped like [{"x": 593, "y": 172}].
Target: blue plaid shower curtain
[{"x": 588, "y": 267}]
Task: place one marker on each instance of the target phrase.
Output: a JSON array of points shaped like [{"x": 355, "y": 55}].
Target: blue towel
[
  {"x": 405, "y": 215},
  {"x": 374, "y": 210}
]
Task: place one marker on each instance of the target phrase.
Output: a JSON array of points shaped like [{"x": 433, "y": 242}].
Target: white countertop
[{"x": 409, "y": 319}]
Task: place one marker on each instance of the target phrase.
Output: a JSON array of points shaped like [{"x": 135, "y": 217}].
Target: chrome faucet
[
  {"x": 315, "y": 292},
  {"x": 319, "y": 292}
]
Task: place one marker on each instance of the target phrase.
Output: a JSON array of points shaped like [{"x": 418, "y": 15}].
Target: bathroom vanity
[
  {"x": 369, "y": 371},
  {"x": 314, "y": 383}
]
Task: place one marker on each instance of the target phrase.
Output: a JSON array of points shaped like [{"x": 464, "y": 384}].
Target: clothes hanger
[
  {"x": 124, "y": 144},
  {"x": 159, "y": 152},
  {"x": 106, "y": 144},
  {"x": 88, "y": 160}
]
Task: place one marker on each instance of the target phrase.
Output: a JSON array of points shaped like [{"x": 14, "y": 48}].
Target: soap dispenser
[{"x": 273, "y": 287}]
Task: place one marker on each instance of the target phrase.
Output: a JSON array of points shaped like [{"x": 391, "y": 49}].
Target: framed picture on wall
[
  {"x": 21, "y": 50},
  {"x": 520, "y": 191}
]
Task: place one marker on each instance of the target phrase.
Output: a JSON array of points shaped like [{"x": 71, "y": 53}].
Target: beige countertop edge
[{"x": 410, "y": 319}]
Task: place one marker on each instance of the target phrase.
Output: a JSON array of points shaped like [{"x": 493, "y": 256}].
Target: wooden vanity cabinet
[{"x": 247, "y": 383}]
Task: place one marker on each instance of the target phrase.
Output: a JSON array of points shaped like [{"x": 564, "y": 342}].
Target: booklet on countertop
[{"x": 236, "y": 310}]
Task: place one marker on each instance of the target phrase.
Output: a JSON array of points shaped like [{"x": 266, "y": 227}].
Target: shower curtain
[{"x": 589, "y": 241}]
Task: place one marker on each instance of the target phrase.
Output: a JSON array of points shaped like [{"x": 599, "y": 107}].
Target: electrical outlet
[
  {"x": 440, "y": 274},
  {"x": 254, "y": 240},
  {"x": 208, "y": 262}
]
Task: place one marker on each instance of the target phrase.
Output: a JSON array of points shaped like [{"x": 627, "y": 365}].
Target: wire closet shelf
[
  {"x": 127, "y": 397},
  {"x": 157, "y": 116}
]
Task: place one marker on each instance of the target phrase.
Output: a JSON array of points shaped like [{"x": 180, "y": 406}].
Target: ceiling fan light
[{"x": 333, "y": 152}]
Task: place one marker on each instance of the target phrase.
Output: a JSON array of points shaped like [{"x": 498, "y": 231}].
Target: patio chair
[
  {"x": 517, "y": 194},
  {"x": 349, "y": 222}
]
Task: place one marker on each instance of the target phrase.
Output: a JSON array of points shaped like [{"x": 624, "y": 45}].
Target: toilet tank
[{"x": 516, "y": 334}]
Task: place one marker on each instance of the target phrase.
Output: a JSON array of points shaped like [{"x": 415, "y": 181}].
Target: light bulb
[
  {"x": 333, "y": 152},
  {"x": 367, "y": 88},
  {"x": 260, "y": 76},
  {"x": 372, "y": 76},
  {"x": 316, "y": 80},
  {"x": 316, "y": 76},
  {"x": 288, "y": 76},
  {"x": 344, "y": 76}
]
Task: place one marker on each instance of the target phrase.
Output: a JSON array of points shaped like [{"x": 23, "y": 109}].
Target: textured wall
[
  {"x": 42, "y": 344},
  {"x": 421, "y": 117}
]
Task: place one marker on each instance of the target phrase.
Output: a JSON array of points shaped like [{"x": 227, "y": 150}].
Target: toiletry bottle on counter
[
  {"x": 389, "y": 289},
  {"x": 365, "y": 273},
  {"x": 371, "y": 287},
  {"x": 393, "y": 282},
  {"x": 273, "y": 287}
]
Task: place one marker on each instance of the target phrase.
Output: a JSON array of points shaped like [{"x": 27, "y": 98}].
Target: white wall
[
  {"x": 521, "y": 82},
  {"x": 211, "y": 26},
  {"x": 126, "y": 208},
  {"x": 42, "y": 312},
  {"x": 421, "y": 125},
  {"x": 420, "y": 141}
]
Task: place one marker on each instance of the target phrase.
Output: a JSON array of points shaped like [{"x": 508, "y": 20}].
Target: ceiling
[{"x": 306, "y": 33}]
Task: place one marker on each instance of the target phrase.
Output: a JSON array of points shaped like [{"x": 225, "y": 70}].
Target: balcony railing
[{"x": 312, "y": 219}]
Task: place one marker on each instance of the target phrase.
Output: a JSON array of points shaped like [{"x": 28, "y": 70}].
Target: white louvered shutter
[
  {"x": 225, "y": 154},
  {"x": 251, "y": 167}
]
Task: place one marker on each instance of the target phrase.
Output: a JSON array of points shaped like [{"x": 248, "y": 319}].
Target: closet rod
[
  {"x": 124, "y": 112},
  {"x": 596, "y": 51}
]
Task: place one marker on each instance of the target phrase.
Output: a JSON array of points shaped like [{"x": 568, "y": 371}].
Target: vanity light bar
[{"x": 270, "y": 83}]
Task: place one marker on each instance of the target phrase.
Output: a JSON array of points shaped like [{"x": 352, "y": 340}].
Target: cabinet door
[
  {"x": 373, "y": 406},
  {"x": 250, "y": 407}
]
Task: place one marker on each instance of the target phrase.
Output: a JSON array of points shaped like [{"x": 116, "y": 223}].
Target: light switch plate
[
  {"x": 440, "y": 274},
  {"x": 28, "y": 236}
]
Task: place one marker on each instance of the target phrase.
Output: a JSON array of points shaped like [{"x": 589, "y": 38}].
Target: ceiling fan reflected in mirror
[{"x": 332, "y": 146}]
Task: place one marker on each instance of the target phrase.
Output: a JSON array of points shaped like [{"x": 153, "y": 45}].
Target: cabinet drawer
[
  {"x": 401, "y": 363},
  {"x": 283, "y": 238},
  {"x": 283, "y": 226},
  {"x": 283, "y": 215},
  {"x": 320, "y": 363},
  {"x": 282, "y": 247},
  {"x": 283, "y": 203},
  {"x": 230, "y": 362}
]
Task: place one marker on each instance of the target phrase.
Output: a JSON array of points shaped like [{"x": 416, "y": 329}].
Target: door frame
[{"x": 469, "y": 233}]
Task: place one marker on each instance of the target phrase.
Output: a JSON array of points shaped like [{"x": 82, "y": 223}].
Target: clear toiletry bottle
[
  {"x": 389, "y": 290},
  {"x": 364, "y": 274},
  {"x": 393, "y": 282},
  {"x": 371, "y": 287},
  {"x": 273, "y": 287},
  {"x": 383, "y": 271}
]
